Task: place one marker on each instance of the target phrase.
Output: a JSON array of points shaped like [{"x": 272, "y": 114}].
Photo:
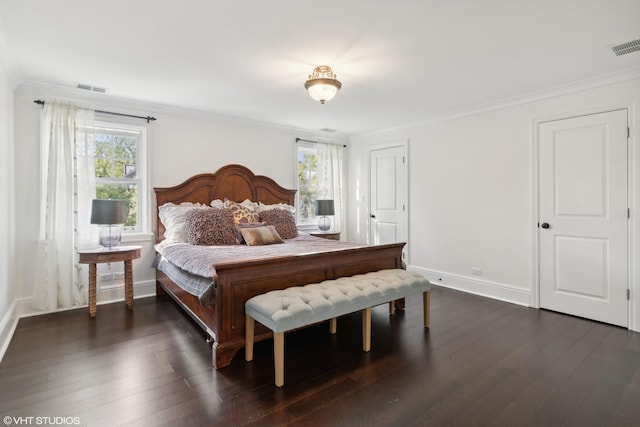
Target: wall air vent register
[{"x": 626, "y": 48}]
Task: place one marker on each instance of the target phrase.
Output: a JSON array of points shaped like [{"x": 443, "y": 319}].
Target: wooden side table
[
  {"x": 115, "y": 254},
  {"x": 328, "y": 235}
]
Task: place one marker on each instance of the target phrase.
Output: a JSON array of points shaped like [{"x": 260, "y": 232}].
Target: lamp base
[
  {"x": 324, "y": 223},
  {"x": 110, "y": 236}
]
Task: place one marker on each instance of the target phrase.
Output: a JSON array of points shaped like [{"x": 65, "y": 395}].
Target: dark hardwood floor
[{"x": 483, "y": 362}]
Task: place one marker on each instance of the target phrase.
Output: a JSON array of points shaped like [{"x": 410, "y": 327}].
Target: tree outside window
[
  {"x": 307, "y": 184},
  {"x": 116, "y": 165}
]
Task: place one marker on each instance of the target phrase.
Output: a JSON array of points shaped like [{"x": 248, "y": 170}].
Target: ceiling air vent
[
  {"x": 91, "y": 88},
  {"x": 625, "y": 48}
]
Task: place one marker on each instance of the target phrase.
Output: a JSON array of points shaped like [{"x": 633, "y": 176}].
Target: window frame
[{"x": 142, "y": 168}]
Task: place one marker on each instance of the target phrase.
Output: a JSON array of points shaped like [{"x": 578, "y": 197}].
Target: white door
[
  {"x": 583, "y": 216},
  {"x": 388, "y": 191}
]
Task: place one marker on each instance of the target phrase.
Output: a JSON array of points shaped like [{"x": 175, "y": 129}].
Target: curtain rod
[
  {"x": 314, "y": 142},
  {"x": 148, "y": 118}
]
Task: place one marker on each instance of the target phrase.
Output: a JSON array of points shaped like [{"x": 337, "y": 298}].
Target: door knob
[
  {"x": 372, "y": 216},
  {"x": 545, "y": 225}
]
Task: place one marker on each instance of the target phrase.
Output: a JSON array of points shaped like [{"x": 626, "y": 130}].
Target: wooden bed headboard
[{"x": 234, "y": 182}]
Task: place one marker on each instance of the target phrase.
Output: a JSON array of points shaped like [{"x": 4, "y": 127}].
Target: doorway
[
  {"x": 583, "y": 216},
  {"x": 388, "y": 195}
]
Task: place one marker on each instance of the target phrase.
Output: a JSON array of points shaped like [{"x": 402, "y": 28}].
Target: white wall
[
  {"x": 471, "y": 192},
  {"x": 182, "y": 143},
  {"x": 7, "y": 220}
]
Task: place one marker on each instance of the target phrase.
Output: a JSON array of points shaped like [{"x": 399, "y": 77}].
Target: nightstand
[
  {"x": 115, "y": 254},
  {"x": 327, "y": 235}
]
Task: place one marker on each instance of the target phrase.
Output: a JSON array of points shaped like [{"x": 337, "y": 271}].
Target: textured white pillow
[
  {"x": 262, "y": 207},
  {"x": 248, "y": 204},
  {"x": 172, "y": 217},
  {"x": 217, "y": 203}
]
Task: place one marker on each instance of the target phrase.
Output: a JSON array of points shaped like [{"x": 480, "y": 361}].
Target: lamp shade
[
  {"x": 108, "y": 211},
  {"x": 325, "y": 207}
]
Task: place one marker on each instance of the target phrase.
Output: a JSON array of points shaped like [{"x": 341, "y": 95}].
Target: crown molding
[
  {"x": 528, "y": 98},
  {"x": 98, "y": 101}
]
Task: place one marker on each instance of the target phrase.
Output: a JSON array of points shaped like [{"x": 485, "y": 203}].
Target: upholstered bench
[{"x": 299, "y": 306}]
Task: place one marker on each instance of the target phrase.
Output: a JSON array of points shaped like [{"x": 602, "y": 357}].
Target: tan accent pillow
[
  {"x": 241, "y": 214},
  {"x": 256, "y": 236},
  {"x": 210, "y": 227},
  {"x": 239, "y": 237},
  {"x": 283, "y": 220}
]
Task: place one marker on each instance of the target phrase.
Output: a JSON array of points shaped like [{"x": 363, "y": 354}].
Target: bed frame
[{"x": 236, "y": 282}]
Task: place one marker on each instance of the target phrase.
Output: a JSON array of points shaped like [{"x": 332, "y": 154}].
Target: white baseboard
[
  {"x": 104, "y": 296},
  {"x": 7, "y": 326},
  {"x": 116, "y": 293},
  {"x": 485, "y": 288}
]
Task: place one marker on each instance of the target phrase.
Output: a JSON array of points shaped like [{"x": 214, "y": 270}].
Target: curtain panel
[
  {"x": 67, "y": 186},
  {"x": 331, "y": 179}
]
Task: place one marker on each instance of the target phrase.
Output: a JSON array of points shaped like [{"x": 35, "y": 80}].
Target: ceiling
[{"x": 399, "y": 62}]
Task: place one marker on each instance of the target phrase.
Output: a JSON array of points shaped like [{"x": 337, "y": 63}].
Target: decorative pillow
[
  {"x": 210, "y": 226},
  {"x": 266, "y": 235},
  {"x": 249, "y": 204},
  {"x": 172, "y": 217},
  {"x": 262, "y": 207},
  {"x": 246, "y": 203},
  {"x": 282, "y": 220},
  {"x": 217, "y": 203},
  {"x": 252, "y": 225},
  {"x": 241, "y": 213},
  {"x": 239, "y": 237}
]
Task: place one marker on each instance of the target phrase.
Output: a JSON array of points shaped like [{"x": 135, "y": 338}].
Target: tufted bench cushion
[
  {"x": 295, "y": 307},
  {"x": 298, "y": 306}
]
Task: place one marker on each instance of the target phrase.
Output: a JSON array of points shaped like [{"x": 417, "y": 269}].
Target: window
[
  {"x": 307, "y": 155},
  {"x": 119, "y": 168},
  {"x": 320, "y": 176}
]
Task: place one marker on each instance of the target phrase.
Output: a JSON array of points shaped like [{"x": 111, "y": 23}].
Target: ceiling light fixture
[{"x": 322, "y": 84}]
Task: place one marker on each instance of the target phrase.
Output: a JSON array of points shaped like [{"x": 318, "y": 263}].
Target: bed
[{"x": 235, "y": 281}]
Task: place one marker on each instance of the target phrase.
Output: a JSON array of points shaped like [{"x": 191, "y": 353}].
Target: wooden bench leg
[
  {"x": 426, "y": 300},
  {"x": 396, "y": 305},
  {"x": 333, "y": 325},
  {"x": 248, "y": 339},
  {"x": 278, "y": 354},
  {"x": 366, "y": 329}
]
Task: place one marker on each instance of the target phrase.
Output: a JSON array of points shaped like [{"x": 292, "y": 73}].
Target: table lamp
[
  {"x": 324, "y": 208},
  {"x": 108, "y": 212}
]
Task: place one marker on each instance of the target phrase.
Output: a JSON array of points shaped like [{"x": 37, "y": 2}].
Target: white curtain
[
  {"x": 330, "y": 181},
  {"x": 67, "y": 186}
]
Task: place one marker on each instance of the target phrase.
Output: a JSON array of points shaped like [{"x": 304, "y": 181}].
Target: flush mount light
[{"x": 322, "y": 84}]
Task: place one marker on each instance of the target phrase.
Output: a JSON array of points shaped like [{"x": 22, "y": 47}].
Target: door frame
[
  {"x": 404, "y": 143},
  {"x": 534, "y": 298}
]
